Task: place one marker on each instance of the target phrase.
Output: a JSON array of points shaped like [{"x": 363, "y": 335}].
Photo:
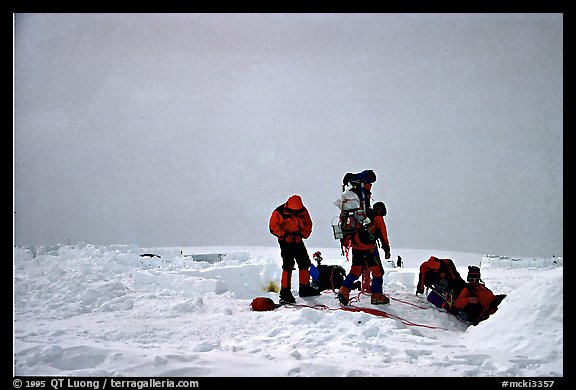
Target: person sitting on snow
[{"x": 476, "y": 302}]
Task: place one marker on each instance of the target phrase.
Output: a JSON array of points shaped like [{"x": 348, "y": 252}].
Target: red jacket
[
  {"x": 377, "y": 228},
  {"x": 438, "y": 266},
  {"x": 290, "y": 225},
  {"x": 484, "y": 295}
]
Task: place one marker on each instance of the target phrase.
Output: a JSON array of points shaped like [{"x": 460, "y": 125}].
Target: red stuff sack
[{"x": 263, "y": 304}]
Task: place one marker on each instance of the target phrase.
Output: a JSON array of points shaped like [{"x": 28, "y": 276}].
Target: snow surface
[{"x": 88, "y": 310}]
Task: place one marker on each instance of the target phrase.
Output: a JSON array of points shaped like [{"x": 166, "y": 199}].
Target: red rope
[
  {"x": 346, "y": 250},
  {"x": 376, "y": 312},
  {"x": 409, "y": 303},
  {"x": 382, "y": 313},
  {"x": 317, "y": 307}
]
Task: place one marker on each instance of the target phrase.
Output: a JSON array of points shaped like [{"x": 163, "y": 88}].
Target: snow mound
[
  {"x": 505, "y": 262},
  {"x": 520, "y": 316}
]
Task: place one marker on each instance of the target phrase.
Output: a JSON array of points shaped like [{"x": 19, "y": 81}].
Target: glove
[
  {"x": 386, "y": 255},
  {"x": 419, "y": 289}
]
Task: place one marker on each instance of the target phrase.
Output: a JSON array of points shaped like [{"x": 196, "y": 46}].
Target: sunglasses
[{"x": 473, "y": 279}]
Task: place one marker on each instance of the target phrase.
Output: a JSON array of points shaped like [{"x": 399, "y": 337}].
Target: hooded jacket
[{"x": 291, "y": 221}]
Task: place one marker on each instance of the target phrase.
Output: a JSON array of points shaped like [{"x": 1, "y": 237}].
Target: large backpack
[
  {"x": 352, "y": 215},
  {"x": 354, "y": 205}
]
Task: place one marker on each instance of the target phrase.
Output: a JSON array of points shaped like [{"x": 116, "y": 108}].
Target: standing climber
[
  {"x": 291, "y": 224},
  {"x": 363, "y": 244}
]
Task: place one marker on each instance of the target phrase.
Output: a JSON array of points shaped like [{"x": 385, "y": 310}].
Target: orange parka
[
  {"x": 484, "y": 295},
  {"x": 291, "y": 221}
]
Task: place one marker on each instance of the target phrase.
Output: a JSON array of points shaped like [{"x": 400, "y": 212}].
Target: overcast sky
[{"x": 189, "y": 129}]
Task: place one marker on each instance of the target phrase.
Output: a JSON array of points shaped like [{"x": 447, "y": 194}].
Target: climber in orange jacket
[
  {"x": 291, "y": 224},
  {"x": 476, "y": 302},
  {"x": 440, "y": 275},
  {"x": 363, "y": 245}
]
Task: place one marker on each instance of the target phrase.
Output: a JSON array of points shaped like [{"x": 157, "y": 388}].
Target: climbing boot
[
  {"x": 286, "y": 296},
  {"x": 306, "y": 290},
  {"x": 379, "y": 299},
  {"x": 344, "y": 295}
]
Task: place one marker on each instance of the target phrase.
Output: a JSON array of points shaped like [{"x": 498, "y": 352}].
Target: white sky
[{"x": 189, "y": 129}]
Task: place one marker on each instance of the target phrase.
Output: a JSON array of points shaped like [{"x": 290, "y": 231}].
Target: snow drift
[{"x": 89, "y": 310}]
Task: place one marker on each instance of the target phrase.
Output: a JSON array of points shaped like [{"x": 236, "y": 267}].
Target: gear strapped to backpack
[
  {"x": 354, "y": 205},
  {"x": 352, "y": 216}
]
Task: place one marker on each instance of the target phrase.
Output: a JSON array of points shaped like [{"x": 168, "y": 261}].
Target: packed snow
[{"x": 108, "y": 311}]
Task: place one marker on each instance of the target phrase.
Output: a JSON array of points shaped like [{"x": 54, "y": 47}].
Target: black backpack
[
  {"x": 326, "y": 277},
  {"x": 331, "y": 277}
]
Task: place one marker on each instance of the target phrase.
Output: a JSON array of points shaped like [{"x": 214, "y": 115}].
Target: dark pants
[
  {"x": 361, "y": 259},
  {"x": 367, "y": 258},
  {"x": 292, "y": 253},
  {"x": 473, "y": 312}
]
